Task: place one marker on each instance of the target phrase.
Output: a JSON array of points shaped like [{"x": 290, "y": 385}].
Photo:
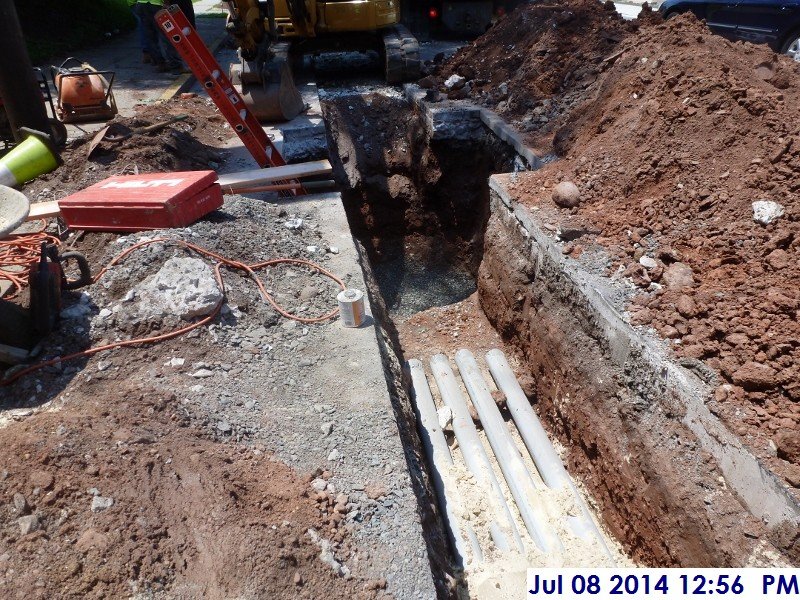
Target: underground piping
[
  {"x": 544, "y": 455},
  {"x": 441, "y": 462},
  {"x": 473, "y": 452},
  {"x": 517, "y": 476}
]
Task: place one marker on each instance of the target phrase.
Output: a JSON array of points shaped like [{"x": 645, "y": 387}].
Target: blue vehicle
[{"x": 772, "y": 22}]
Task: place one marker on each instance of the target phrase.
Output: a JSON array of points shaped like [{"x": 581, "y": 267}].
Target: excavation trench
[{"x": 437, "y": 230}]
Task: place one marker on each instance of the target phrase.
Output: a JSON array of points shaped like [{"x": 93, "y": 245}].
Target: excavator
[{"x": 269, "y": 35}]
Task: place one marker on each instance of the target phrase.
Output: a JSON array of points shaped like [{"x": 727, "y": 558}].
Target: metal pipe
[
  {"x": 517, "y": 476},
  {"x": 18, "y": 86},
  {"x": 548, "y": 463},
  {"x": 474, "y": 453},
  {"x": 441, "y": 462}
]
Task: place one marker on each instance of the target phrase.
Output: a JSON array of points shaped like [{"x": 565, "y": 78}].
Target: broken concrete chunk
[
  {"x": 648, "y": 262},
  {"x": 445, "y": 417},
  {"x": 767, "y": 211},
  {"x": 184, "y": 287},
  {"x": 28, "y": 524},
  {"x": 99, "y": 503},
  {"x": 294, "y": 224},
  {"x": 455, "y": 82},
  {"x": 203, "y": 374},
  {"x": 566, "y": 194}
]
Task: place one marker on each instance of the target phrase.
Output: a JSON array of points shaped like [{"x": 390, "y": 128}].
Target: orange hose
[
  {"x": 21, "y": 251},
  {"x": 221, "y": 261}
]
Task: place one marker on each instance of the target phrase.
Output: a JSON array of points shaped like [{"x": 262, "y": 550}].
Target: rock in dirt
[
  {"x": 567, "y": 195},
  {"x": 99, "y": 503},
  {"x": 678, "y": 276},
  {"x": 375, "y": 491},
  {"x": 648, "y": 262},
  {"x": 21, "y": 504},
  {"x": 460, "y": 93},
  {"x": 685, "y": 306},
  {"x": 184, "y": 287},
  {"x": 778, "y": 259},
  {"x": 767, "y": 211},
  {"x": 788, "y": 444},
  {"x": 28, "y": 524},
  {"x": 754, "y": 376},
  {"x": 41, "y": 479}
]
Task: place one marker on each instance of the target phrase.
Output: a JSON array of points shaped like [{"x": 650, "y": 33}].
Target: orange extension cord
[
  {"x": 22, "y": 250},
  {"x": 221, "y": 261}
]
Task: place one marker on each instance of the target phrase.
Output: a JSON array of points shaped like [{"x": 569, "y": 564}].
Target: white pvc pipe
[
  {"x": 544, "y": 455},
  {"x": 474, "y": 453},
  {"x": 517, "y": 476},
  {"x": 441, "y": 462}
]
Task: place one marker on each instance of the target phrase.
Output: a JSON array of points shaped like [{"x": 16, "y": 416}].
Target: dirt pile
[
  {"x": 182, "y": 146},
  {"x": 115, "y": 498},
  {"x": 536, "y": 62},
  {"x": 681, "y": 133}
]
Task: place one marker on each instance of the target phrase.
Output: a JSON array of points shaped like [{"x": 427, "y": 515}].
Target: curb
[{"x": 185, "y": 81}]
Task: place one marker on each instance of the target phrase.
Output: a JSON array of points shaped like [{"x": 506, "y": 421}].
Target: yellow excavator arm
[{"x": 266, "y": 32}]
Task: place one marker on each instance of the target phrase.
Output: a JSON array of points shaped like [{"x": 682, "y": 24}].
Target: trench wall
[{"x": 673, "y": 484}]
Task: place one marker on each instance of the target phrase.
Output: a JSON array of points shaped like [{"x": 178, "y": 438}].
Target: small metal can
[{"x": 351, "y": 307}]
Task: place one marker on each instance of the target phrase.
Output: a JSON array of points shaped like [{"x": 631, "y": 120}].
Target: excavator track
[{"x": 401, "y": 54}]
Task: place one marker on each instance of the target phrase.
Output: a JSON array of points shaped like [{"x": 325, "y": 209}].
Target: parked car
[{"x": 772, "y": 22}]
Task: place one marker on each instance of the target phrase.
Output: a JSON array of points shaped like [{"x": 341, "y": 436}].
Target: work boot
[
  {"x": 146, "y": 58},
  {"x": 162, "y": 67}
]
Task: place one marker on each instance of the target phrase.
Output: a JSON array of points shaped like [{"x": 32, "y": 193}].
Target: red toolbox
[{"x": 138, "y": 202}]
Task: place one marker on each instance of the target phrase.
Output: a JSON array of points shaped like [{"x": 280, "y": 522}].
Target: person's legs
[
  {"x": 171, "y": 56},
  {"x": 188, "y": 9},
  {"x": 147, "y": 13},
  {"x": 144, "y": 39}
]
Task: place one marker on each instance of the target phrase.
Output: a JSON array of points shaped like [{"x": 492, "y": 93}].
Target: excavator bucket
[{"x": 270, "y": 95}]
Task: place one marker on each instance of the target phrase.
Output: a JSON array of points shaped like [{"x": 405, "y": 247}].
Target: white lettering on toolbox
[{"x": 143, "y": 184}]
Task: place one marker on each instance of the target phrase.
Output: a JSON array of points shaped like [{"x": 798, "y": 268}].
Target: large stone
[
  {"x": 566, "y": 194},
  {"x": 184, "y": 287},
  {"x": 754, "y": 376}
]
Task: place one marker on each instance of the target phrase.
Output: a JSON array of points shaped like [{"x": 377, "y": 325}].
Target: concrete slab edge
[
  {"x": 762, "y": 493},
  {"x": 463, "y": 120}
]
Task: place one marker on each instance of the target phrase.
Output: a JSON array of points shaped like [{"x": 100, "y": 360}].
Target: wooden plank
[
  {"x": 248, "y": 179},
  {"x": 44, "y": 210}
]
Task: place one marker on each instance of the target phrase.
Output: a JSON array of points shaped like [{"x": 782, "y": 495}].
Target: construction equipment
[
  {"x": 227, "y": 99},
  {"x": 47, "y": 280},
  {"x": 58, "y": 131},
  {"x": 84, "y": 93},
  {"x": 269, "y": 33}
]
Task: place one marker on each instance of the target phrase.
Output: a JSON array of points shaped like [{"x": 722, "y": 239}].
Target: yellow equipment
[{"x": 268, "y": 33}]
